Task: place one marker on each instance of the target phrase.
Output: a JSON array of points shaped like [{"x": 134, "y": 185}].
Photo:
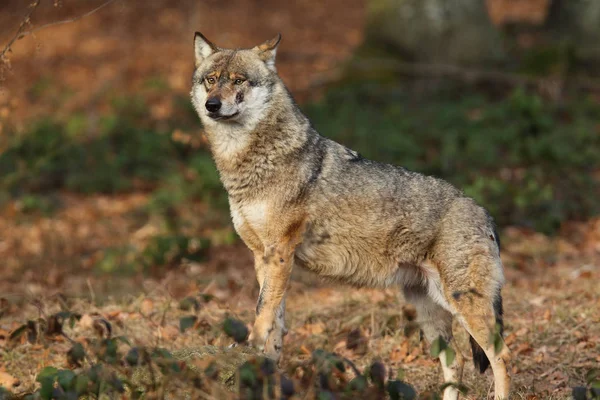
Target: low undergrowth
[
  {"x": 109, "y": 366},
  {"x": 94, "y": 358}
]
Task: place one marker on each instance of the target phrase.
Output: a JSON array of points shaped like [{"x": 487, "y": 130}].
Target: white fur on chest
[
  {"x": 228, "y": 142},
  {"x": 253, "y": 214}
]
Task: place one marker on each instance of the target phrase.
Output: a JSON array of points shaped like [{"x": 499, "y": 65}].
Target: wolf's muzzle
[{"x": 213, "y": 104}]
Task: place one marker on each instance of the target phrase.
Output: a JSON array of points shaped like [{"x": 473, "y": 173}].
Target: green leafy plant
[{"x": 592, "y": 390}]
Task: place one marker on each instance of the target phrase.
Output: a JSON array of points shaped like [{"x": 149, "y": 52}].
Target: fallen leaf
[
  {"x": 8, "y": 381},
  {"x": 583, "y": 345},
  {"x": 510, "y": 339},
  {"x": 315, "y": 329},
  {"x": 539, "y": 358},
  {"x": 168, "y": 332},
  {"x": 147, "y": 306},
  {"x": 537, "y": 301},
  {"x": 113, "y": 314},
  {"x": 339, "y": 346},
  {"x": 522, "y": 332},
  {"x": 413, "y": 355},
  {"x": 399, "y": 353},
  {"x": 86, "y": 321},
  {"x": 584, "y": 272},
  {"x": 523, "y": 348},
  {"x": 578, "y": 334},
  {"x": 305, "y": 350}
]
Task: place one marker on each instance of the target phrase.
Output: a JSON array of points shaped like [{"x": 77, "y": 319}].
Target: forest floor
[{"x": 551, "y": 303}]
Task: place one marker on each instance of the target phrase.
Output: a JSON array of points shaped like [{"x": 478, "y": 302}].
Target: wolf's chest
[{"x": 250, "y": 217}]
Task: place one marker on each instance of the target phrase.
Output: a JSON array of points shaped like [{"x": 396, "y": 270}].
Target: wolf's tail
[{"x": 479, "y": 358}]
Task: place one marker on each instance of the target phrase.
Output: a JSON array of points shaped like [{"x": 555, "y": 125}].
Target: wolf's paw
[
  {"x": 272, "y": 348},
  {"x": 256, "y": 343},
  {"x": 260, "y": 333}
]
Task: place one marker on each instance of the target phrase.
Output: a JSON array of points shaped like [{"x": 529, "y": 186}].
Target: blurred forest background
[{"x": 109, "y": 196}]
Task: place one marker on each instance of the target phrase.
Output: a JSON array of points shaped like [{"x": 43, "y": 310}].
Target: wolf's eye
[
  {"x": 238, "y": 81},
  {"x": 210, "y": 80}
]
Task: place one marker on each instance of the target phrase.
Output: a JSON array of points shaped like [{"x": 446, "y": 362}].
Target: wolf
[{"x": 299, "y": 199}]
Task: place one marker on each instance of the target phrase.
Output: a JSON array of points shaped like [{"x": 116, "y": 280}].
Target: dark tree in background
[{"x": 538, "y": 36}]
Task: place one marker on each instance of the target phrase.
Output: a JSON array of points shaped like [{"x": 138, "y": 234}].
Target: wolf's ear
[
  {"x": 267, "y": 51},
  {"x": 202, "y": 48}
]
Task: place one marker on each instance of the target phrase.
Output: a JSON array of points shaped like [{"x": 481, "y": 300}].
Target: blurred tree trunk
[
  {"x": 437, "y": 31},
  {"x": 577, "y": 21},
  {"x": 488, "y": 32}
]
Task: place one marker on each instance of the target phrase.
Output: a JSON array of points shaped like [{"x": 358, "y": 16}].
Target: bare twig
[
  {"x": 21, "y": 32},
  {"x": 68, "y": 20}
]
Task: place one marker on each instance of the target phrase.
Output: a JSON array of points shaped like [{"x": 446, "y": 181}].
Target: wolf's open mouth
[{"x": 219, "y": 117}]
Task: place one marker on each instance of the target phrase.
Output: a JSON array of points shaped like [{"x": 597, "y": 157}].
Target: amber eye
[
  {"x": 238, "y": 81},
  {"x": 210, "y": 80}
]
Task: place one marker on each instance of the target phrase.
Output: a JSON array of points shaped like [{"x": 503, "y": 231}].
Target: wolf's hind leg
[
  {"x": 435, "y": 322},
  {"x": 474, "y": 294},
  {"x": 479, "y": 317},
  {"x": 467, "y": 256}
]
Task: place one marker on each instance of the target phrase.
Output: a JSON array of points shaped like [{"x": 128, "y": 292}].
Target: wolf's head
[{"x": 233, "y": 86}]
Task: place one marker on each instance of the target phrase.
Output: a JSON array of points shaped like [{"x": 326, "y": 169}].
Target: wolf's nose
[{"x": 213, "y": 104}]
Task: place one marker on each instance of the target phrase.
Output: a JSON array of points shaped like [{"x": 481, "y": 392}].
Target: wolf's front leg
[
  {"x": 274, "y": 272},
  {"x": 274, "y": 342}
]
